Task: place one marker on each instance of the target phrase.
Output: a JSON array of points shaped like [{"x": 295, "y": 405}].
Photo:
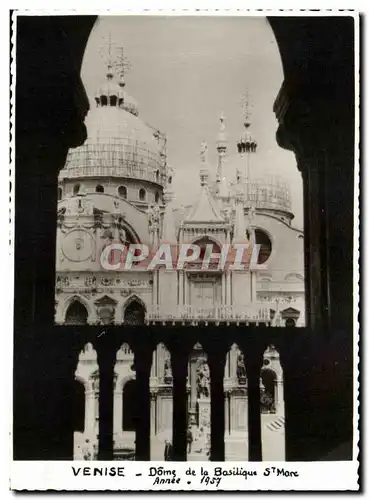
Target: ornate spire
[
  {"x": 222, "y": 187},
  {"x": 247, "y": 145},
  {"x": 247, "y": 142},
  {"x": 204, "y": 170},
  {"x": 222, "y": 141},
  {"x": 121, "y": 64}
]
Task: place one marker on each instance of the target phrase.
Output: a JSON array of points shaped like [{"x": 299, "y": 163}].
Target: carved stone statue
[
  {"x": 227, "y": 214},
  {"x": 203, "y": 381},
  {"x": 241, "y": 370},
  {"x": 167, "y": 371},
  {"x": 153, "y": 217},
  {"x": 122, "y": 236},
  {"x": 150, "y": 216}
]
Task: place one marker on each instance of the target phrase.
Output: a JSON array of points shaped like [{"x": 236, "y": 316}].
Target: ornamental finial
[
  {"x": 115, "y": 59},
  {"x": 245, "y": 103},
  {"x": 204, "y": 152}
]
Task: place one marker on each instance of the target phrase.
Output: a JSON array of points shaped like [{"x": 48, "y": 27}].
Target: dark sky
[{"x": 185, "y": 71}]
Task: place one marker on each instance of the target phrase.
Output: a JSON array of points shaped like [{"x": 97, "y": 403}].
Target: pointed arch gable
[
  {"x": 131, "y": 299},
  {"x": 137, "y": 317},
  {"x": 76, "y": 298}
]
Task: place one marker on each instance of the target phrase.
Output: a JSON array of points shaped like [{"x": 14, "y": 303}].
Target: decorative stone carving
[
  {"x": 79, "y": 206},
  {"x": 203, "y": 381},
  {"x": 78, "y": 245},
  {"x": 203, "y": 152},
  {"x": 107, "y": 281},
  {"x": 90, "y": 281},
  {"x": 168, "y": 377},
  {"x": 61, "y": 282},
  {"x": 227, "y": 214},
  {"x": 241, "y": 369},
  {"x": 154, "y": 219},
  {"x": 105, "y": 310}
]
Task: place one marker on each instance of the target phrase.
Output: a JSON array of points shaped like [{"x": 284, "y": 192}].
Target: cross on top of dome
[
  {"x": 246, "y": 108},
  {"x": 114, "y": 57}
]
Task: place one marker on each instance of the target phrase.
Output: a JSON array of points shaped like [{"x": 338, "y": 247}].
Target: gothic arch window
[
  {"x": 76, "y": 314},
  {"x": 125, "y": 404},
  {"x": 122, "y": 191},
  {"x": 142, "y": 194},
  {"x": 290, "y": 322},
  {"x": 207, "y": 246},
  {"x": 99, "y": 188},
  {"x": 134, "y": 313},
  {"x": 86, "y": 405},
  {"x": 60, "y": 193},
  {"x": 76, "y": 189}
]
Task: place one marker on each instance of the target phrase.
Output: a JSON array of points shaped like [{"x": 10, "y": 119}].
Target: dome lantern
[{"x": 109, "y": 93}]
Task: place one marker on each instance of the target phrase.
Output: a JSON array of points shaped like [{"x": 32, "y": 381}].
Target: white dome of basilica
[{"x": 119, "y": 143}]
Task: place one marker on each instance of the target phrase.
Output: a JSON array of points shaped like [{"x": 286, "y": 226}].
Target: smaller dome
[
  {"x": 247, "y": 141},
  {"x": 109, "y": 93},
  {"x": 112, "y": 93}
]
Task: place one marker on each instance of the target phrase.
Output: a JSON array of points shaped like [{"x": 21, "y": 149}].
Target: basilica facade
[{"x": 117, "y": 187}]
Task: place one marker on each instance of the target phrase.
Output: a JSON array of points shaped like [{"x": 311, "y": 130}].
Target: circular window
[
  {"x": 263, "y": 240},
  {"x": 122, "y": 191}
]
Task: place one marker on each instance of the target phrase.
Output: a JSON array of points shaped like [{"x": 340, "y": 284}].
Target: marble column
[
  {"x": 90, "y": 411},
  {"x": 118, "y": 412},
  {"x": 187, "y": 290},
  {"x": 193, "y": 385},
  {"x": 153, "y": 414},
  {"x": 228, "y": 288},
  {"x": 180, "y": 288},
  {"x": 155, "y": 278},
  {"x": 226, "y": 413},
  {"x": 253, "y": 286},
  {"x": 223, "y": 279},
  {"x": 279, "y": 397}
]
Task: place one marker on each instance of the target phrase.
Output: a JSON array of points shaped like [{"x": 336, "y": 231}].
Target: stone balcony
[{"x": 190, "y": 314}]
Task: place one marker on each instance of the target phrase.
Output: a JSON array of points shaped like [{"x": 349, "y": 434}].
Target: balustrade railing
[
  {"x": 113, "y": 160},
  {"x": 254, "y": 313}
]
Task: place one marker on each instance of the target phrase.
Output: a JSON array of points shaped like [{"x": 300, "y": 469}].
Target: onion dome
[
  {"x": 109, "y": 93},
  {"x": 247, "y": 142}
]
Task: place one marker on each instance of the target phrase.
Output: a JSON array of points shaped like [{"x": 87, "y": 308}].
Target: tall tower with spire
[
  {"x": 222, "y": 146},
  {"x": 246, "y": 147}
]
